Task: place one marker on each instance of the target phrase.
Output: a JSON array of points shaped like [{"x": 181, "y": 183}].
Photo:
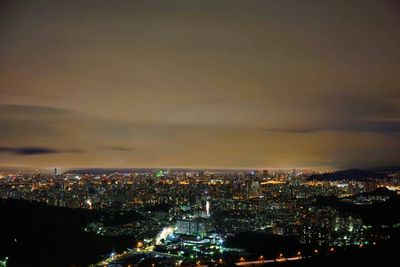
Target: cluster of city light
[
  {"x": 3, "y": 263},
  {"x": 165, "y": 232}
]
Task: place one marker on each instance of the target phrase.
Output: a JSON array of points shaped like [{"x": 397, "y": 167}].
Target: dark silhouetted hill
[
  {"x": 380, "y": 213},
  {"x": 33, "y": 234},
  {"x": 351, "y": 174}
]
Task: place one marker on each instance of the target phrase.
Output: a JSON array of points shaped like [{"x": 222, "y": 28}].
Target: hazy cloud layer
[
  {"x": 200, "y": 83},
  {"x": 27, "y": 150}
]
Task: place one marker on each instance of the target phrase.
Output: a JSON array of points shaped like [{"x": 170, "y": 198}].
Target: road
[{"x": 260, "y": 262}]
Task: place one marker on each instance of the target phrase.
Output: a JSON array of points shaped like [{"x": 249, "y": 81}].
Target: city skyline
[
  {"x": 199, "y": 84},
  {"x": 199, "y": 218}
]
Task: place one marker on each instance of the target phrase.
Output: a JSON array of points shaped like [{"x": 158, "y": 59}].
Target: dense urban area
[
  {"x": 199, "y": 133},
  {"x": 210, "y": 217}
]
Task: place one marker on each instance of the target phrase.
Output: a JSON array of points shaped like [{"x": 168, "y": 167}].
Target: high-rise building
[{"x": 194, "y": 227}]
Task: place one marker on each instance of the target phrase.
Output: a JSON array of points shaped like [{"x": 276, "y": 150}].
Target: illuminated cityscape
[
  {"x": 165, "y": 133},
  {"x": 183, "y": 217}
]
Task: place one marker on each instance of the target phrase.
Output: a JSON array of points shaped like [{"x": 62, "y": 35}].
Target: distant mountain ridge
[
  {"x": 101, "y": 171},
  {"x": 355, "y": 174}
]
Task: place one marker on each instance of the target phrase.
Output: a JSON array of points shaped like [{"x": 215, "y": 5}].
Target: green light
[{"x": 3, "y": 263}]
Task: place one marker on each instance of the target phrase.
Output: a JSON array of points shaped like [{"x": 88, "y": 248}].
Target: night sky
[{"x": 207, "y": 84}]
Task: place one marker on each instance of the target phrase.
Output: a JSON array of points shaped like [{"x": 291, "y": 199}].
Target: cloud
[
  {"x": 32, "y": 124},
  {"x": 120, "y": 149},
  {"x": 29, "y": 151},
  {"x": 378, "y": 126},
  {"x": 32, "y": 112},
  {"x": 199, "y": 84}
]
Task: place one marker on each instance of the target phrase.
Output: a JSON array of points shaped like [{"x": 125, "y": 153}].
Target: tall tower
[{"x": 55, "y": 171}]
